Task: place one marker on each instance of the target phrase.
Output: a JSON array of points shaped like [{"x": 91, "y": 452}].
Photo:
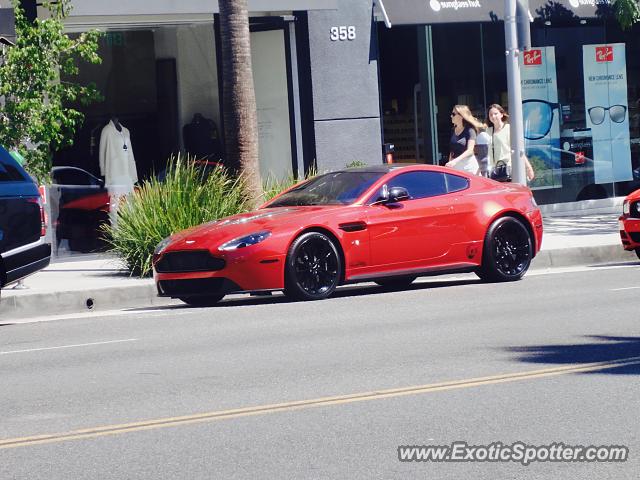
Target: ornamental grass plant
[
  {"x": 273, "y": 185},
  {"x": 189, "y": 195}
]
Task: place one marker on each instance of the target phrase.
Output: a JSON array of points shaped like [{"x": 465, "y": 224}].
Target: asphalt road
[{"x": 265, "y": 388}]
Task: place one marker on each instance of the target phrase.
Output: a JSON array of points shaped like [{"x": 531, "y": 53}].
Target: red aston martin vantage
[
  {"x": 629, "y": 222},
  {"x": 387, "y": 223}
]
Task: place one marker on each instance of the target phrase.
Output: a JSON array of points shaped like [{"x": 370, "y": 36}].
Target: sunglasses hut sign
[
  {"x": 606, "y": 107},
  {"x": 541, "y": 115},
  {"x": 411, "y": 12}
]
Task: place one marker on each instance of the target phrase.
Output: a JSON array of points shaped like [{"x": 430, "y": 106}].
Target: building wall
[{"x": 344, "y": 78}]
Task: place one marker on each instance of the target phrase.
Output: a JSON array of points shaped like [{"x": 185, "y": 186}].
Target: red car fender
[
  {"x": 338, "y": 238},
  {"x": 532, "y": 221}
]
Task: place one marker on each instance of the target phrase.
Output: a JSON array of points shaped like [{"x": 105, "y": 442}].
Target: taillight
[
  {"x": 43, "y": 215},
  {"x": 42, "y": 201},
  {"x": 43, "y": 218}
]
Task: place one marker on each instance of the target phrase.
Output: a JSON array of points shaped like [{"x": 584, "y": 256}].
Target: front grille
[
  {"x": 191, "y": 286},
  {"x": 189, "y": 261},
  {"x": 634, "y": 210},
  {"x": 635, "y": 236},
  {"x": 196, "y": 286}
]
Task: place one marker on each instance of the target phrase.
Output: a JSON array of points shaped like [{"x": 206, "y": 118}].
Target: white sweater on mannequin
[{"x": 117, "y": 163}]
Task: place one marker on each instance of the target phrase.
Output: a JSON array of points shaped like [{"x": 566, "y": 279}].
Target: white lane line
[
  {"x": 68, "y": 346},
  {"x": 93, "y": 314},
  {"x": 624, "y": 288}
]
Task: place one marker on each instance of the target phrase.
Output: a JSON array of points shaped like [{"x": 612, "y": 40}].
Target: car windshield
[{"x": 336, "y": 188}]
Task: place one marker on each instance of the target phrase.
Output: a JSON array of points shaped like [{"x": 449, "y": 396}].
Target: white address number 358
[{"x": 343, "y": 33}]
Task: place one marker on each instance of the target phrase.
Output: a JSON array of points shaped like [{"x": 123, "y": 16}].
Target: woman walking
[
  {"x": 500, "y": 132},
  {"x": 463, "y": 139}
]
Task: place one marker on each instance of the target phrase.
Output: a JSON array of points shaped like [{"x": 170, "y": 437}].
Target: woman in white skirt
[{"x": 463, "y": 139}]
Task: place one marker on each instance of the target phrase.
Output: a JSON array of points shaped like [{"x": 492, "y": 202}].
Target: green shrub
[
  {"x": 357, "y": 163},
  {"x": 188, "y": 196},
  {"x": 273, "y": 186}
]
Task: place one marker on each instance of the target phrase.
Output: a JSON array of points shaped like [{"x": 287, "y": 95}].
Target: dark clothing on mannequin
[{"x": 201, "y": 138}]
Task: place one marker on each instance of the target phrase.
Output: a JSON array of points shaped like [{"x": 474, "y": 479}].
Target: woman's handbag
[{"x": 501, "y": 172}]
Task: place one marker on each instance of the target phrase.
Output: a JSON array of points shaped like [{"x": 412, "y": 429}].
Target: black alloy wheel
[
  {"x": 507, "y": 251},
  {"x": 396, "y": 283},
  {"x": 202, "y": 300},
  {"x": 638, "y": 252},
  {"x": 314, "y": 267}
]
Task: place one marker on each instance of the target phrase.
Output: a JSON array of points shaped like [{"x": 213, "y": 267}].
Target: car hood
[{"x": 214, "y": 234}]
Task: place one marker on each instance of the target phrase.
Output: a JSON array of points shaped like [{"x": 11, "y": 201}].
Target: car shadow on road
[
  {"x": 345, "y": 291},
  {"x": 602, "y": 349}
]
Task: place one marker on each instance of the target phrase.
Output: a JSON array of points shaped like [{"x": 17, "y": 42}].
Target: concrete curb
[
  {"x": 38, "y": 304},
  {"x": 576, "y": 256}
]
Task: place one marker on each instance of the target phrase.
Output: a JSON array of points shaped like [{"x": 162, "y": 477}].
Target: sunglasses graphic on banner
[
  {"x": 617, "y": 114},
  {"x": 538, "y": 118}
]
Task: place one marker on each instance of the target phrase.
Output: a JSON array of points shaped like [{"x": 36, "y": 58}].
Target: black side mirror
[
  {"x": 392, "y": 195},
  {"x": 398, "y": 194}
]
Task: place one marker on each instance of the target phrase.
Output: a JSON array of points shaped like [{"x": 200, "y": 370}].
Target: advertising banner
[
  {"x": 541, "y": 115},
  {"x": 417, "y": 12},
  {"x": 607, "y": 112}
]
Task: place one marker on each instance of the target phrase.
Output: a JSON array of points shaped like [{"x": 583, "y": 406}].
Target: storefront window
[
  {"x": 160, "y": 97},
  {"x": 592, "y": 85},
  {"x": 459, "y": 72},
  {"x": 580, "y": 91}
]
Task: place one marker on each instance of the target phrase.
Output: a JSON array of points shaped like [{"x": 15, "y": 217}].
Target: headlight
[
  {"x": 246, "y": 240},
  {"x": 162, "y": 245},
  {"x": 625, "y": 207}
]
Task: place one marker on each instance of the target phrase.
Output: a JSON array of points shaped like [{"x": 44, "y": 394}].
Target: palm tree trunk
[{"x": 239, "y": 99}]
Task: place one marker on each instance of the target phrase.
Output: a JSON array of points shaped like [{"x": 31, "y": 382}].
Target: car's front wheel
[
  {"x": 202, "y": 301},
  {"x": 313, "y": 267},
  {"x": 638, "y": 252},
  {"x": 507, "y": 251}
]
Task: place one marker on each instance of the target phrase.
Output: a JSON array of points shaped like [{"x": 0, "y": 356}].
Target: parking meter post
[
  {"x": 512, "y": 53},
  {"x": 388, "y": 149}
]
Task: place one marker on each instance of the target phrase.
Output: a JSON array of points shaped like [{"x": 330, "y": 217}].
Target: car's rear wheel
[
  {"x": 507, "y": 251},
  {"x": 313, "y": 267},
  {"x": 202, "y": 301},
  {"x": 395, "y": 283},
  {"x": 638, "y": 252}
]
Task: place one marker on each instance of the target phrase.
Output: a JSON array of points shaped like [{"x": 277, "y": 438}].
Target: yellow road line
[{"x": 310, "y": 403}]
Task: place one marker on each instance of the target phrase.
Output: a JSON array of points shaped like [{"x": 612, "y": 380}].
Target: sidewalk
[{"x": 98, "y": 282}]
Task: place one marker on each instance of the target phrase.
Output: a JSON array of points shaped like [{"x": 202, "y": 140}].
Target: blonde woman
[
  {"x": 463, "y": 139},
  {"x": 500, "y": 132}
]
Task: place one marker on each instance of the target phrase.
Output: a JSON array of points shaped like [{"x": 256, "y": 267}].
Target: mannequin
[
  {"x": 116, "y": 123},
  {"x": 201, "y": 138},
  {"x": 117, "y": 163}
]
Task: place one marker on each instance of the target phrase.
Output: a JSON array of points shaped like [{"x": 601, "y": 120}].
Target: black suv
[{"x": 23, "y": 249}]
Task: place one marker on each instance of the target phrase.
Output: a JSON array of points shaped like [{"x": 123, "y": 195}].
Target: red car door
[{"x": 413, "y": 233}]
